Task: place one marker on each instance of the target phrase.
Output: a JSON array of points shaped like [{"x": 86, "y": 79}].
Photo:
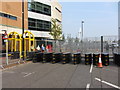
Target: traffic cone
[{"x": 100, "y": 62}]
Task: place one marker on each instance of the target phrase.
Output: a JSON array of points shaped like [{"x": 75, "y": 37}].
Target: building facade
[
  {"x": 40, "y": 13},
  {"x": 11, "y": 16},
  {"x": 37, "y": 17}
]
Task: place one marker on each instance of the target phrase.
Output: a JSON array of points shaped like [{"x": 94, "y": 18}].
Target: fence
[
  {"x": 88, "y": 45},
  {"x": 73, "y": 45}
]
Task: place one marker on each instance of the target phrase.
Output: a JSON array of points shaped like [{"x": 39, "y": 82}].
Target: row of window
[
  {"x": 39, "y": 25},
  {"x": 57, "y": 9},
  {"x": 8, "y": 16},
  {"x": 39, "y": 8}
]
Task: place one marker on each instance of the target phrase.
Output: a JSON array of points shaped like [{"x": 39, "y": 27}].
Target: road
[{"x": 47, "y": 75}]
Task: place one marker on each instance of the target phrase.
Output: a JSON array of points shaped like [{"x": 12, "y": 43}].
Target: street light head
[{"x": 82, "y": 21}]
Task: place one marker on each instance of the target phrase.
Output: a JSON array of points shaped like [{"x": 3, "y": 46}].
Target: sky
[{"x": 100, "y": 18}]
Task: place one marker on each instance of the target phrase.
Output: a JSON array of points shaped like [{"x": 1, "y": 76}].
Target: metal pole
[
  {"x": 119, "y": 27},
  {"x": 23, "y": 28},
  {"x": 6, "y": 40},
  {"x": 7, "y": 51},
  {"x": 101, "y": 44},
  {"x": 82, "y": 34}
]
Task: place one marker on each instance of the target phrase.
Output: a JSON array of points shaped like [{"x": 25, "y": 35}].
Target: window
[
  {"x": 29, "y": 6},
  {"x": 57, "y": 9},
  {"x": 5, "y": 15},
  {"x": 8, "y": 16},
  {"x": 58, "y": 21},
  {"x": 12, "y": 17},
  {"x": 40, "y": 25},
  {"x": 39, "y": 8},
  {"x": 1, "y": 14},
  {"x": 29, "y": 0}
]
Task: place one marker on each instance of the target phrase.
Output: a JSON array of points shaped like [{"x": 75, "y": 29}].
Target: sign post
[{"x": 5, "y": 37}]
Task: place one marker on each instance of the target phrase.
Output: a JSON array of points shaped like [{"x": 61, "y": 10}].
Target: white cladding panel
[
  {"x": 10, "y": 29},
  {"x": 41, "y": 34},
  {"x": 39, "y": 16}
]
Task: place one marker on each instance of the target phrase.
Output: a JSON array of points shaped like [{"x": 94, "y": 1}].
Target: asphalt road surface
[{"x": 47, "y": 75}]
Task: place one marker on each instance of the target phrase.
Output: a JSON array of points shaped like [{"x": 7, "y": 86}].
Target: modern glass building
[{"x": 40, "y": 13}]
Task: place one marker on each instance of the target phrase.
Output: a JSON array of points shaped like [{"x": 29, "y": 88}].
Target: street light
[
  {"x": 82, "y": 27},
  {"x": 5, "y": 37},
  {"x": 119, "y": 27},
  {"x": 23, "y": 28}
]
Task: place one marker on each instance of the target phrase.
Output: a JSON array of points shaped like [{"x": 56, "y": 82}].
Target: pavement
[{"x": 47, "y": 75}]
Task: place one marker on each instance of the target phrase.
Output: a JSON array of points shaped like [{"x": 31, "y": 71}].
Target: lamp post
[
  {"x": 23, "y": 28},
  {"x": 5, "y": 37},
  {"x": 82, "y": 27},
  {"x": 119, "y": 27}
]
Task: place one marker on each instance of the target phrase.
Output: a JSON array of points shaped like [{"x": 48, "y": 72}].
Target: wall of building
[
  {"x": 37, "y": 16},
  {"x": 13, "y": 9},
  {"x": 56, "y": 10}
]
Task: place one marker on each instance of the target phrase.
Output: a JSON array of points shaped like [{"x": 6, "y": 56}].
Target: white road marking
[
  {"x": 28, "y": 74},
  {"x": 88, "y": 86},
  {"x": 115, "y": 86},
  {"x": 91, "y": 68}
]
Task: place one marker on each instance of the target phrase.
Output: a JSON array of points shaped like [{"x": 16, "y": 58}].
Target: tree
[
  {"x": 55, "y": 31},
  {"x": 76, "y": 41}
]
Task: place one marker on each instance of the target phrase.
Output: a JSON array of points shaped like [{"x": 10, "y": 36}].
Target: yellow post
[
  {"x": 24, "y": 47},
  {"x": 20, "y": 48},
  {"x": 15, "y": 44},
  {"x": 7, "y": 51},
  {"x": 12, "y": 45},
  {"x": 29, "y": 43}
]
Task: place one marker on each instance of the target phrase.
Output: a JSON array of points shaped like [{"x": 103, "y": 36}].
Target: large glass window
[
  {"x": 8, "y": 16},
  {"x": 39, "y": 25},
  {"x": 39, "y": 8}
]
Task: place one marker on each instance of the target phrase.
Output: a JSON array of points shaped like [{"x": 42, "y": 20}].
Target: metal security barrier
[
  {"x": 47, "y": 57},
  {"x": 117, "y": 59},
  {"x": 76, "y": 58},
  {"x": 96, "y": 59},
  {"x": 57, "y": 57},
  {"x": 40, "y": 56},
  {"x": 88, "y": 59},
  {"x": 66, "y": 58},
  {"x": 35, "y": 58},
  {"x": 29, "y": 56},
  {"x": 105, "y": 59}
]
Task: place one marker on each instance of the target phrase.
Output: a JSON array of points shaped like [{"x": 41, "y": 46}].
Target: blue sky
[{"x": 101, "y": 18}]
